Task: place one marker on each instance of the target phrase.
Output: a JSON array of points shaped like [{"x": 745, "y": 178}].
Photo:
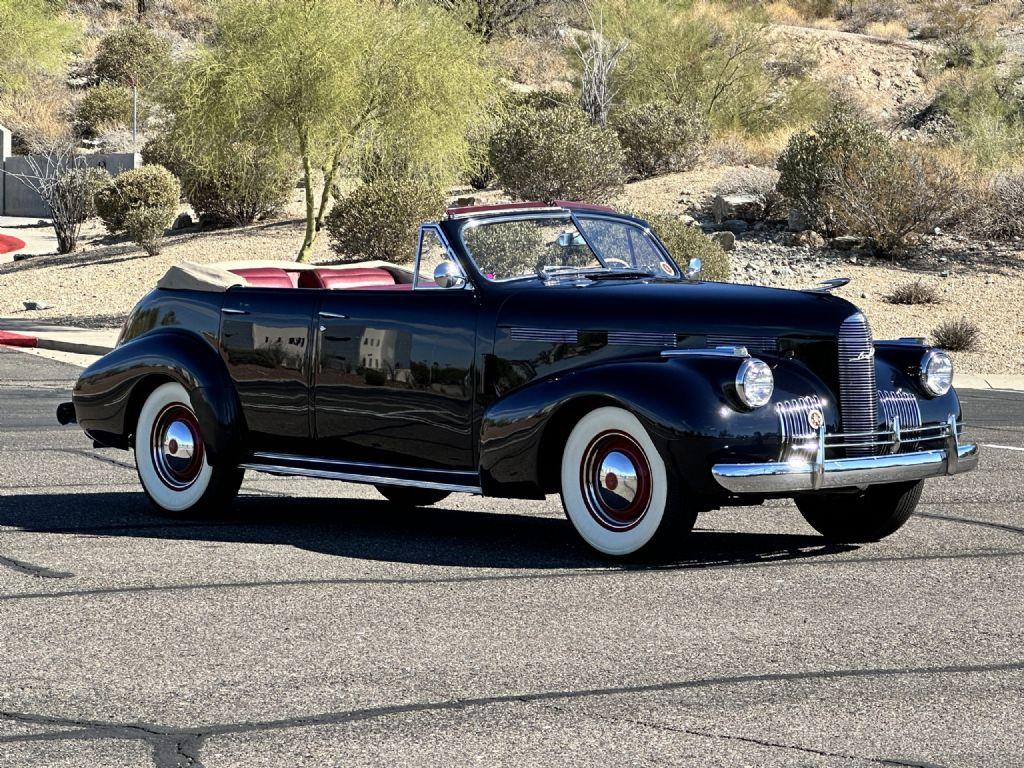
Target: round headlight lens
[
  {"x": 755, "y": 383},
  {"x": 936, "y": 372}
]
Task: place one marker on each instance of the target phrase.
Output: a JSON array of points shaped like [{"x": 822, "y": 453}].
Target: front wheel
[
  {"x": 171, "y": 460},
  {"x": 869, "y": 515},
  {"x": 616, "y": 490}
]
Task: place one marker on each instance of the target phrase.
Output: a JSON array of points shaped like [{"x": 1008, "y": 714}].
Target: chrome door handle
[
  {"x": 229, "y": 311},
  {"x": 334, "y": 315}
]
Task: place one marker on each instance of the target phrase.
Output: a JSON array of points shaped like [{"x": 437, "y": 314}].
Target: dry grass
[{"x": 889, "y": 30}]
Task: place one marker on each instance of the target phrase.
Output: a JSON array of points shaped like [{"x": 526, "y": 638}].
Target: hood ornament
[{"x": 827, "y": 286}]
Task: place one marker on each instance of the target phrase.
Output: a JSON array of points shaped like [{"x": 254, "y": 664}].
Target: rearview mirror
[
  {"x": 448, "y": 275},
  {"x": 569, "y": 239}
]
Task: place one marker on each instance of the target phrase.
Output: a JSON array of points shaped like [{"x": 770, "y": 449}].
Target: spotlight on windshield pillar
[{"x": 693, "y": 269}]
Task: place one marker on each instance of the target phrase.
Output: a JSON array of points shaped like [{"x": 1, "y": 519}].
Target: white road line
[{"x": 1004, "y": 447}]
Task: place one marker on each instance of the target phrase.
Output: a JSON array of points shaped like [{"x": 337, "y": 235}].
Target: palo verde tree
[
  {"x": 36, "y": 42},
  {"x": 337, "y": 82}
]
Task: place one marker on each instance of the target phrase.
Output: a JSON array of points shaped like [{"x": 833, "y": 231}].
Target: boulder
[
  {"x": 742, "y": 207},
  {"x": 736, "y": 226},
  {"x": 810, "y": 238},
  {"x": 725, "y": 239},
  {"x": 796, "y": 221},
  {"x": 184, "y": 221},
  {"x": 845, "y": 242}
]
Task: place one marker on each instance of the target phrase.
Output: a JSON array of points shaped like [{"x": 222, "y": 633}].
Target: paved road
[{"x": 314, "y": 626}]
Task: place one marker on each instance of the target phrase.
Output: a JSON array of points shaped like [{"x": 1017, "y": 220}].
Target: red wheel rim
[
  {"x": 176, "y": 446},
  {"x": 615, "y": 480}
]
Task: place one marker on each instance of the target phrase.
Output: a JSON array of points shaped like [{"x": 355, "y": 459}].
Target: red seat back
[
  {"x": 340, "y": 279},
  {"x": 268, "y": 277}
]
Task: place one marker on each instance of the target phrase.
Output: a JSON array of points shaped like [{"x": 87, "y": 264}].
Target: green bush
[
  {"x": 556, "y": 154},
  {"x": 660, "y": 137},
  {"x": 132, "y": 56},
  {"x": 685, "y": 242},
  {"x": 726, "y": 61},
  {"x": 380, "y": 219},
  {"x": 813, "y": 160},
  {"x": 141, "y": 203},
  {"x": 104, "y": 107},
  {"x": 986, "y": 115}
]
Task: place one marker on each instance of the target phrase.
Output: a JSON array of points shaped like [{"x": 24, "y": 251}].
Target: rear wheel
[
  {"x": 404, "y": 496},
  {"x": 616, "y": 490},
  {"x": 171, "y": 459},
  {"x": 869, "y": 515}
]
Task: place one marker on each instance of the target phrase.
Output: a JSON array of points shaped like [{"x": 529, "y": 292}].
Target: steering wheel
[{"x": 610, "y": 260}]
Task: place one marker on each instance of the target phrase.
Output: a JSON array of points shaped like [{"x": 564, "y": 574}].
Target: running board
[{"x": 286, "y": 464}]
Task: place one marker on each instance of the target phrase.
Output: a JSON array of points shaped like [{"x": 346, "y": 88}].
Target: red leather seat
[
  {"x": 340, "y": 279},
  {"x": 268, "y": 277}
]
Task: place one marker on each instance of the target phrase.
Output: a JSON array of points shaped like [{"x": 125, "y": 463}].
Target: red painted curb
[
  {"x": 8, "y": 244},
  {"x": 11, "y": 339}
]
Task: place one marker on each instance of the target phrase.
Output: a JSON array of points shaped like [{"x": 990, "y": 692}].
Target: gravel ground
[{"x": 99, "y": 285}]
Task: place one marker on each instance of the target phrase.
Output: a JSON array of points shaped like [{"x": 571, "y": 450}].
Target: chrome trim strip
[
  {"x": 781, "y": 477},
  {"x": 230, "y": 311},
  {"x": 716, "y": 352},
  {"x": 642, "y": 338},
  {"x": 553, "y": 335},
  {"x": 350, "y": 477},
  {"x": 271, "y": 457}
]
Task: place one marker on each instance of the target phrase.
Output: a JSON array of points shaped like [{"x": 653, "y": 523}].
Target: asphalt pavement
[{"x": 313, "y": 625}]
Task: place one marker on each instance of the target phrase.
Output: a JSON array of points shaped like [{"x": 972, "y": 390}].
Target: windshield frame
[{"x": 575, "y": 217}]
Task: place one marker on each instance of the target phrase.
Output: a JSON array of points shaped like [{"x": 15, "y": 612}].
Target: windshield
[{"x": 511, "y": 249}]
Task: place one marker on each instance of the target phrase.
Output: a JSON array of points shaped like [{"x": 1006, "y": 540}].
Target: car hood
[{"x": 681, "y": 307}]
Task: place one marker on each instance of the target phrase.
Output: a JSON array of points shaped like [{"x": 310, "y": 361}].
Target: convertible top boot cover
[{"x": 218, "y": 278}]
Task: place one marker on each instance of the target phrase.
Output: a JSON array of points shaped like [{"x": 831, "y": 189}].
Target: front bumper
[{"x": 817, "y": 472}]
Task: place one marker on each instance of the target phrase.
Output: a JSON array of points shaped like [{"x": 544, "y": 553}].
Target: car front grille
[
  {"x": 902, "y": 405},
  {"x": 858, "y": 396}
]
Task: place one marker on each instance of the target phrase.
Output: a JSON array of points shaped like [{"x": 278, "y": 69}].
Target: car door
[
  {"x": 395, "y": 371},
  {"x": 267, "y": 343}
]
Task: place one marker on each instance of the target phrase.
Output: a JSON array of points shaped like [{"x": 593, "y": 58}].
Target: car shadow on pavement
[{"x": 376, "y": 530}]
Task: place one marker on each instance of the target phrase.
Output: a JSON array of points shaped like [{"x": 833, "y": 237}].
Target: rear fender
[{"x": 110, "y": 391}]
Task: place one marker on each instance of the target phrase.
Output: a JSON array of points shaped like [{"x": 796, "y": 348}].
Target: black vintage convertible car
[{"x": 554, "y": 348}]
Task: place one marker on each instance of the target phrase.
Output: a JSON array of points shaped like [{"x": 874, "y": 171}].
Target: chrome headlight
[
  {"x": 755, "y": 383},
  {"x": 936, "y": 372}
]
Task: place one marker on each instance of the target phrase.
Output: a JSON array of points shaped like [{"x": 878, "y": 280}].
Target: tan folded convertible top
[{"x": 218, "y": 278}]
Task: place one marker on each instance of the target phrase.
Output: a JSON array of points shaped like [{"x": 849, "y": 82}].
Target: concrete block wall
[{"x": 16, "y": 199}]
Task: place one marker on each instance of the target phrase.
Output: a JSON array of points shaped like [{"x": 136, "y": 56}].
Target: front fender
[
  {"x": 687, "y": 405},
  {"x": 108, "y": 392}
]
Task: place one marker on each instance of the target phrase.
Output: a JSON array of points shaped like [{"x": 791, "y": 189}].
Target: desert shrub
[
  {"x": 491, "y": 18},
  {"x": 763, "y": 183},
  {"x": 556, "y": 154},
  {"x": 726, "y": 62},
  {"x": 914, "y": 292},
  {"x": 380, "y": 218},
  {"x": 243, "y": 183},
  {"x": 141, "y": 203},
  {"x": 1001, "y": 215},
  {"x": 985, "y": 114},
  {"x": 816, "y": 9},
  {"x": 814, "y": 159},
  {"x": 891, "y": 195},
  {"x": 660, "y": 137},
  {"x": 132, "y": 56},
  {"x": 104, "y": 107},
  {"x": 685, "y": 242},
  {"x": 957, "y": 335}
]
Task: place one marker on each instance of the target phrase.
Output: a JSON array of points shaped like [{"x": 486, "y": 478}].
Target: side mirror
[
  {"x": 448, "y": 275},
  {"x": 693, "y": 269}
]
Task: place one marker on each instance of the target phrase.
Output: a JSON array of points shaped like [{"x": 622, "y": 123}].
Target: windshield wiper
[{"x": 621, "y": 274}]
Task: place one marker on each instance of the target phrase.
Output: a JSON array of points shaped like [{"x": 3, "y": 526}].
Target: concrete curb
[{"x": 78, "y": 347}]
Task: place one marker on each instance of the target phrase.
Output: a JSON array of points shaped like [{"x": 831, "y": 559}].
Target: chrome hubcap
[
  {"x": 177, "y": 447},
  {"x": 615, "y": 478}
]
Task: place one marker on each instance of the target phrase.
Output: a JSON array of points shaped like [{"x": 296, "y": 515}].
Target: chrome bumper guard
[{"x": 815, "y": 472}]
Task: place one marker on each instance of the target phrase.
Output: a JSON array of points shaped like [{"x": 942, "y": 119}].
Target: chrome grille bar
[
  {"x": 858, "y": 396},
  {"x": 900, "y": 405}
]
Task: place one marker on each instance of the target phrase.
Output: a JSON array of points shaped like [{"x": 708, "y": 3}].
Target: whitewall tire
[
  {"x": 171, "y": 459},
  {"x": 616, "y": 490}
]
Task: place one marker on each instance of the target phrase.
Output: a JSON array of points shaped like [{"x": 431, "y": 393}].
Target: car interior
[{"x": 347, "y": 278}]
